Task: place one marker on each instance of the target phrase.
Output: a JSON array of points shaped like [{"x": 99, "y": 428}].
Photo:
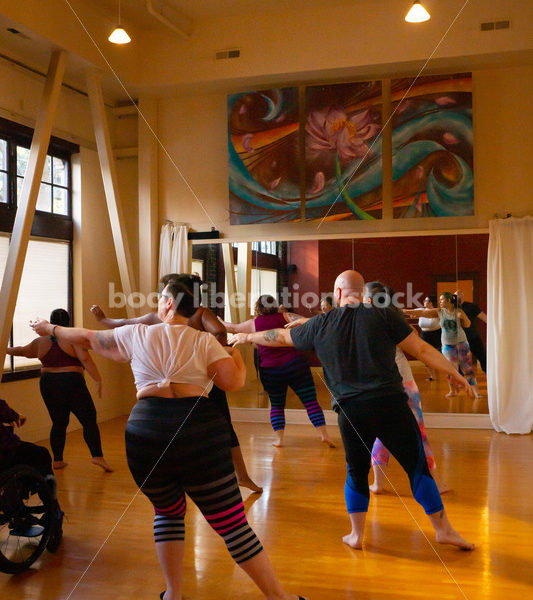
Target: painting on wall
[
  {"x": 342, "y": 153},
  {"x": 263, "y": 146},
  {"x": 432, "y": 146}
]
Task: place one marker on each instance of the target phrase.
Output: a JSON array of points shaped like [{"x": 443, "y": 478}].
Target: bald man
[{"x": 356, "y": 344}]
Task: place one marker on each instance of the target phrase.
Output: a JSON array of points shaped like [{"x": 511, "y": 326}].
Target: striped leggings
[
  {"x": 380, "y": 454},
  {"x": 178, "y": 446},
  {"x": 297, "y": 375},
  {"x": 459, "y": 356}
]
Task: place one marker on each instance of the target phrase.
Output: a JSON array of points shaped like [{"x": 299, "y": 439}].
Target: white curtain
[
  {"x": 173, "y": 249},
  {"x": 510, "y": 324}
]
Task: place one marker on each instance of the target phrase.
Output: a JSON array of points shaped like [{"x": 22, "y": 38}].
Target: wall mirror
[{"x": 300, "y": 271}]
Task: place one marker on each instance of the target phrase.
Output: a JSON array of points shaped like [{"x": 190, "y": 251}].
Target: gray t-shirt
[{"x": 452, "y": 331}]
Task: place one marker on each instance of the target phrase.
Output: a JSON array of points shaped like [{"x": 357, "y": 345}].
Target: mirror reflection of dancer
[
  {"x": 380, "y": 454},
  {"x": 177, "y": 441},
  {"x": 356, "y": 345},
  {"x": 455, "y": 346},
  {"x": 430, "y": 330},
  {"x": 203, "y": 319},
  {"x": 64, "y": 390},
  {"x": 281, "y": 368},
  {"x": 473, "y": 312}
]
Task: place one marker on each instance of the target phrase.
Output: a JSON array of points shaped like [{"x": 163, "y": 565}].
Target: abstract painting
[
  {"x": 264, "y": 156},
  {"x": 432, "y": 146},
  {"x": 343, "y": 178}
]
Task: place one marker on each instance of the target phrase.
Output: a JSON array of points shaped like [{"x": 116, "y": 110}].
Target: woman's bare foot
[
  {"x": 328, "y": 442},
  {"x": 451, "y": 394},
  {"x": 59, "y": 464},
  {"x": 452, "y": 538},
  {"x": 278, "y": 442},
  {"x": 379, "y": 477},
  {"x": 375, "y": 488},
  {"x": 248, "y": 483},
  {"x": 353, "y": 540},
  {"x": 101, "y": 462}
]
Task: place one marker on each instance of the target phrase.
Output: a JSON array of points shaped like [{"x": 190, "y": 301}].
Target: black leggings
[
  {"x": 391, "y": 420},
  {"x": 219, "y": 396},
  {"x": 64, "y": 393},
  {"x": 178, "y": 446},
  {"x": 478, "y": 350}
]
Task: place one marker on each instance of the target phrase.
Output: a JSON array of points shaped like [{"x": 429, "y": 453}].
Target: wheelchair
[{"x": 30, "y": 520}]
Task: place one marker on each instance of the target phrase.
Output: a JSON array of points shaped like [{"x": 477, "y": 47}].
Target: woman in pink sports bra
[{"x": 64, "y": 390}]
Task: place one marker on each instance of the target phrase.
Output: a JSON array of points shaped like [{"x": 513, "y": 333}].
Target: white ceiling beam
[{"x": 176, "y": 20}]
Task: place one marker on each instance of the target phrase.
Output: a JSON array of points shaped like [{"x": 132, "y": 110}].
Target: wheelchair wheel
[{"x": 28, "y": 515}]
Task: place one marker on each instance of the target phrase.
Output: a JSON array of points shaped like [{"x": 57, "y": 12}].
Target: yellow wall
[{"x": 94, "y": 261}]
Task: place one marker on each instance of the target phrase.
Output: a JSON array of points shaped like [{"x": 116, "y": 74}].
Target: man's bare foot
[
  {"x": 248, "y": 483},
  {"x": 328, "y": 442},
  {"x": 100, "y": 462},
  {"x": 375, "y": 488},
  {"x": 59, "y": 464},
  {"x": 353, "y": 540},
  {"x": 454, "y": 539},
  {"x": 451, "y": 394}
]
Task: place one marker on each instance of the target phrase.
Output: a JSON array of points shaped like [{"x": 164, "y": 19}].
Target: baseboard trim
[{"x": 299, "y": 417}]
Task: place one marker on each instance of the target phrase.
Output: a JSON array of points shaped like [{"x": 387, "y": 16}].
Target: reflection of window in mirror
[
  {"x": 264, "y": 281},
  {"x": 198, "y": 267}
]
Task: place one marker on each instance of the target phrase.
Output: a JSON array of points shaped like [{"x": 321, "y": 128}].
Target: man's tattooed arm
[
  {"x": 271, "y": 335},
  {"x": 106, "y": 339}
]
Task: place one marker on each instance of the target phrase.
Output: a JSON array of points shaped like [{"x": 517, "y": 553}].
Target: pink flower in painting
[{"x": 331, "y": 129}]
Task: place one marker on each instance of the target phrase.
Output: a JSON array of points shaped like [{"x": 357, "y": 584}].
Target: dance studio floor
[{"x": 108, "y": 552}]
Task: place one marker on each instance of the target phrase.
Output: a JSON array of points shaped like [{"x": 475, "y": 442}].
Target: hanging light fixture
[
  {"x": 417, "y": 13},
  {"x": 119, "y": 35}
]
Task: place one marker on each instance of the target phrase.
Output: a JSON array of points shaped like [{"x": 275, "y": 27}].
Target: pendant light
[
  {"x": 417, "y": 13},
  {"x": 119, "y": 35}
]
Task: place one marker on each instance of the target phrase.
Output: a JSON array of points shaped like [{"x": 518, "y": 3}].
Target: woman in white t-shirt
[
  {"x": 430, "y": 331},
  {"x": 177, "y": 441}
]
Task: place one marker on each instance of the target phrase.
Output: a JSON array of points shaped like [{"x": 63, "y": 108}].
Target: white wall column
[{"x": 28, "y": 197}]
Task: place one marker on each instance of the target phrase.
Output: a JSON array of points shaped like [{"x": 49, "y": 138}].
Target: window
[
  {"x": 264, "y": 247},
  {"x": 46, "y": 278},
  {"x": 198, "y": 267}
]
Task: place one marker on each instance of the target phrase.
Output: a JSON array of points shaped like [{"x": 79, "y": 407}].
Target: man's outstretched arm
[{"x": 270, "y": 337}]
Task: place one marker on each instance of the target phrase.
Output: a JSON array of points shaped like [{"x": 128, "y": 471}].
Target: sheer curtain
[
  {"x": 173, "y": 249},
  {"x": 510, "y": 324}
]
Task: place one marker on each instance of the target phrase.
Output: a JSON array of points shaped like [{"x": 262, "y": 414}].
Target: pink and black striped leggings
[{"x": 179, "y": 446}]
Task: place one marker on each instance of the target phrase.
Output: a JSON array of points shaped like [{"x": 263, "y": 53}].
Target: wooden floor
[{"x": 108, "y": 552}]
